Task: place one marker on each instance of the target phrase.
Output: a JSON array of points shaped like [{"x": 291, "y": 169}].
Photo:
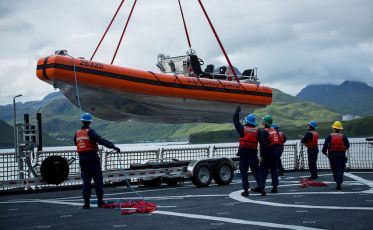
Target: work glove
[
  {"x": 238, "y": 109},
  {"x": 116, "y": 149}
]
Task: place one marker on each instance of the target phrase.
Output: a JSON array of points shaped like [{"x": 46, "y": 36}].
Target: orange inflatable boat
[{"x": 118, "y": 93}]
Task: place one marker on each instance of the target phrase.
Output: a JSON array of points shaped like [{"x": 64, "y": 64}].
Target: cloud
[
  {"x": 293, "y": 43},
  {"x": 18, "y": 77}
]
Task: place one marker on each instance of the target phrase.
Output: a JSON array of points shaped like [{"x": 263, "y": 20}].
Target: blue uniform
[
  {"x": 337, "y": 159},
  {"x": 270, "y": 158},
  {"x": 248, "y": 158},
  {"x": 312, "y": 154},
  {"x": 91, "y": 166}
]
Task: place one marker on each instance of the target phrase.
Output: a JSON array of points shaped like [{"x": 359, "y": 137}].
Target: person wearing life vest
[
  {"x": 282, "y": 137},
  {"x": 270, "y": 152},
  {"x": 335, "y": 147},
  {"x": 86, "y": 140},
  {"x": 248, "y": 151},
  {"x": 310, "y": 140}
]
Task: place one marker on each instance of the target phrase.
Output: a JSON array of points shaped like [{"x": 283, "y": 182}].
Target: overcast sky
[{"x": 293, "y": 43}]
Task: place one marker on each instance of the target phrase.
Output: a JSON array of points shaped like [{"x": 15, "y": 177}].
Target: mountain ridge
[
  {"x": 350, "y": 97},
  {"x": 61, "y": 119}
]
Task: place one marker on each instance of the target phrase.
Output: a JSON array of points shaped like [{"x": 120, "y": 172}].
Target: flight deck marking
[
  {"x": 233, "y": 221},
  {"x": 359, "y": 179},
  {"x": 237, "y": 196}
]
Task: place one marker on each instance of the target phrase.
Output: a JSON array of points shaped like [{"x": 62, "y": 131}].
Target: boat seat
[
  {"x": 222, "y": 70},
  {"x": 209, "y": 68},
  {"x": 248, "y": 72}
]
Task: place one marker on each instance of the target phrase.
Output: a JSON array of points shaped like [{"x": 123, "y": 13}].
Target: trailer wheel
[
  {"x": 202, "y": 175},
  {"x": 154, "y": 182},
  {"x": 171, "y": 181},
  {"x": 223, "y": 173}
]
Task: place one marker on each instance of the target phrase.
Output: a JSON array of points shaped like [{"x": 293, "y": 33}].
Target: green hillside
[
  {"x": 287, "y": 110},
  {"x": 61, "y": 120},
  {"x": 7, "y": 137},
  {"x": 362, "y": 127},
  {"x": 6, "y": 134}
]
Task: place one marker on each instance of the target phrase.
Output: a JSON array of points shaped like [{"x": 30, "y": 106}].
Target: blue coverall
[
  {"x": 248, "y": 158},
  {"x": 337, "y": 159},
  {"x": 91, "y": 167},
  {"x": 312, "y": 154},
  {"x": 270, "y": 158}
]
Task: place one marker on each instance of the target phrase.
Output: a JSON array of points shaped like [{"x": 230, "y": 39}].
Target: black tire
[
  {"x": 223, "y": 173},
  {"x": 155, "y": 182},
  {"x": 202, "y": 175},
  {"x": 170, "y": 181},
  {"x": 54, "y": 170}
]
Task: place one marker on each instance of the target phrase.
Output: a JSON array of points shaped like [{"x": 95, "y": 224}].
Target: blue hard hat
[
  {"x": 313, "y": 124},
  {"x": 275, "y": 126},
  {"x": 86, "y": 117},
  {"x": 250, "y": 119}
]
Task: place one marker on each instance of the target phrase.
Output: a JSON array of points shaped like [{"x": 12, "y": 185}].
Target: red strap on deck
[
  {"x": 217, "y": 38},
  {"x": 130, "y": 207},
  {"x": 306, "y": 182},
  {"x": 107, "y": 29}
]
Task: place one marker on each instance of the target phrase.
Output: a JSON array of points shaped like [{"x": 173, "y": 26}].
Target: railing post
[
  {"x": 296, "y": 157},
  {"x": 160, "y": 154},
  {"x": 301, "y": 157}
]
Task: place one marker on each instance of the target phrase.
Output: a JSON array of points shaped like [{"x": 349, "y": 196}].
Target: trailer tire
[
  {"x": 54, "y": 169},
  {"x": 223, "y": 173},
  {"x": 155, "y": 182},
  {"x": 202, "y": 175},
  {"x": 171, "y": 181}
]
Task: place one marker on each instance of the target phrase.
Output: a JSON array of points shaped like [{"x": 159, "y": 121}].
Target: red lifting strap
[
  {"x": 220, "y": 44},
  {"x": 124, "y": 30},
  {"x": 130, "y": 207},
  {"x": 185, "y": 27},
  {"x": 107, "y": 29}
]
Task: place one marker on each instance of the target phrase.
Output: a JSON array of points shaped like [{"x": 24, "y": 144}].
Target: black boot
[
  {"x": 245, "y": 193},
  {"x": 87, "y": 204},
  {"x": 100, "y": 201},
  {"x": 258, "y": 190},
  {"x": 274, "y": 189}
]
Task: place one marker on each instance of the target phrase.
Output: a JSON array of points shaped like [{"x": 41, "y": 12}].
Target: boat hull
[{"x": 118, "y": 93}]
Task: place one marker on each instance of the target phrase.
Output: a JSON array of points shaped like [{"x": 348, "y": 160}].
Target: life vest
[
  {"x": 336, "y": 143},
  {"x": 281, "y": 138},
  {"x": 274, "y": 137},
  {"x": 249, "y": 140},
  {"x": 83, "y": 143},
  {"x": 313, "y": 142}
]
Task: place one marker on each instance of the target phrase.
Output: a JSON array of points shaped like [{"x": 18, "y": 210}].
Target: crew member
[
  {"x": 335, "y": 147},
  {"x": 86, "y": 140},
  {"x": 282, "y": 137},
  {"x": 270, "y": 149},
  {"x": 248, "y": 151},
  {"x": 310, "y": 140}
]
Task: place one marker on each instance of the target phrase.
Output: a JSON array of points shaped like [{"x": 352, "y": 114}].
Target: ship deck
[{"x": 215, "y": 207}]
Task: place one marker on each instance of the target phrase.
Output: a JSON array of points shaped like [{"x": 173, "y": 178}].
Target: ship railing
[{"x": 294, "y": 158}]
